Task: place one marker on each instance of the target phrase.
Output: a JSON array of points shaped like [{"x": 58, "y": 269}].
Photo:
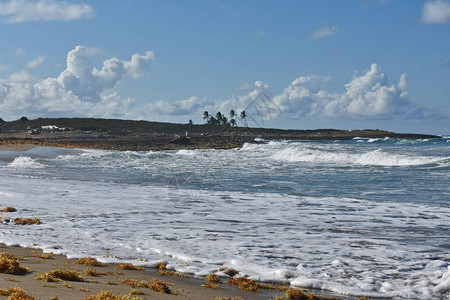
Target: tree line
[{"x": 221, "y": 119}]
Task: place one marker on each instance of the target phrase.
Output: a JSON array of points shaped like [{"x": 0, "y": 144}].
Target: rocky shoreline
[{"x": 144, "y": 136}]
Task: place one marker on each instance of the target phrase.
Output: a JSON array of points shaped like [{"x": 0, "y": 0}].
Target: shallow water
[{"x": 365, "y": 217}]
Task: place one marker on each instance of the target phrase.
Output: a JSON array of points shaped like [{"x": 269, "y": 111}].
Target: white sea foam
[
  {"x": 25, "y": 162},
  {"x": 375, "y": 158}
]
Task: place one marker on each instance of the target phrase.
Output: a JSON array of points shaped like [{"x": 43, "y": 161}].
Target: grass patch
[
  {"x": 89, "y": 261},
  {"x": 27, "y": 221},
  {"x": 66, "y": 285},
  {"x": 127, "y": 267},
  {"x": 227, "y": 298},
  {"x": 10, "y": 265},
  {"x": 8, "y": 209},
  {"x": 159, "y": 286},
  {"x": 58, "y": 275},
  {"x": 15, "y": 293},
  {"x": 108, "y": 295},
  {"x": 244, "y": 283}
]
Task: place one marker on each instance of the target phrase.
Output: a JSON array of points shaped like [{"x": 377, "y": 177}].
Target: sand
[
  {"x": 16, "y": 147},
  {"x": 185, "y": 288}
]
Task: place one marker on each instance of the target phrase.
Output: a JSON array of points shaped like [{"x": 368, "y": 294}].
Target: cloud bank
[
  {"x": 83, "y": 90},
  {"x": 20, "y": 11},
  {"x": 436, "y": 12}
]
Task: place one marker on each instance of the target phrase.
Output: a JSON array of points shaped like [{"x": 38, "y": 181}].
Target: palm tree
[
  {"x": 233, "y": 122},
  {"x": 206, "y": 115},
  {"x": 232, "y": 114},
  {"x": 244, "y": 117}
]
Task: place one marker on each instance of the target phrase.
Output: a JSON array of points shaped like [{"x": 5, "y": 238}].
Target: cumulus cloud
[
  {"x": 20, "y": 11},
  {"x": 367, "y": 96},
  {"x": 33, "y": 64},
  {"x": 81, "y": 89},
  {"x": 84, "y": 90},
  {"x": 325, "y": 31},
  {"x": 436, "y": 12}
]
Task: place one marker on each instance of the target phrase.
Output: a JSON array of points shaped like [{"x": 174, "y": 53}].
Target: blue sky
[{"x": 290, "y": 64}]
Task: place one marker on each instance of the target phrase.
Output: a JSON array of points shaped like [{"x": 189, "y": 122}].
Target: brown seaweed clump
[
  {"x": 8, "y": 209},
  {"x": 127, "y": 267},
  {"x": 59, "y": 275},
  {"x": 89, "y": 261},
  {"x": 93, "y": 272},
  {"x": 135, "y": 284},
  {"x": 298, "y": 294},
  {"x": 212, "y": 278},
  {"x": 10, "y": 265},
  {"x": 159, "y": 286},
  {"x": 15, "y": 293},
  {"x": 27, "y": 221},
  {"x": 244, "y": 283},
  {"x": 46, "y": 256},
  {"x": 108, "y": 295},
  {"x": 210, "y": 285}
]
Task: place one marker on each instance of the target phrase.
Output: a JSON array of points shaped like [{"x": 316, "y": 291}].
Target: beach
[
  {"x": 112, "y": 280},
  {"x": 303, "y": 214}
]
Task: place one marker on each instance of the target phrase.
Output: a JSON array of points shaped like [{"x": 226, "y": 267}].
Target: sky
[{"x": 298, "y": 64}]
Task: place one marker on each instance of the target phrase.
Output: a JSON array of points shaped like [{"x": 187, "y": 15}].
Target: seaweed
[
  {"x": 27, "y": 221},
  {"x": 89, "y": 261},
  {"x": 244, "y": 283},
  {"x": 213, "y": 278},
  {"x": 211, "y": 285},
  {"x": 135, "y": 284},
  {"x": 8, "y": 209},
  {"x": 127, "y": 267},
  {"x": 298, "y": 294},
  {"x": 15, "y": 293},
  {"x": 59, "y": 275},
  {"x": 10, "y": 265},
  {"x": 159, "y": 286},
  {"x": 46, "y": 255},
  {"x": 108, "y": 295}
]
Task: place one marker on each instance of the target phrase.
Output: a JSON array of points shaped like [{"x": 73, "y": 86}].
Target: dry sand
[{"x": 186, "y": 288}]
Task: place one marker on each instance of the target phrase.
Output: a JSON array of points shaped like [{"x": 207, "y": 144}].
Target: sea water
[{"x": 364, "y": 217}]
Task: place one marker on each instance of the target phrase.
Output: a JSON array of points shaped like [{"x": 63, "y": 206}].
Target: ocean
[{"x": 361, "y": 217}]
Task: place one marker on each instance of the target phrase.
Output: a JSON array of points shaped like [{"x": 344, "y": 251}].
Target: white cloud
[
  {"x": 81, "y": 89},
  {"x": 33, "y": 64},
  {"x": 436, "y": 12},
  {"x": 325, "y": 31},
  {"x": 19, "y": 11},
  {"x": 367, "y": 96}
]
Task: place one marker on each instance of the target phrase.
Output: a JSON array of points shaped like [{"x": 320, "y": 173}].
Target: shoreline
[
  {"x": 149, "y": 142},
  {"x": 111, "y": 279}
]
